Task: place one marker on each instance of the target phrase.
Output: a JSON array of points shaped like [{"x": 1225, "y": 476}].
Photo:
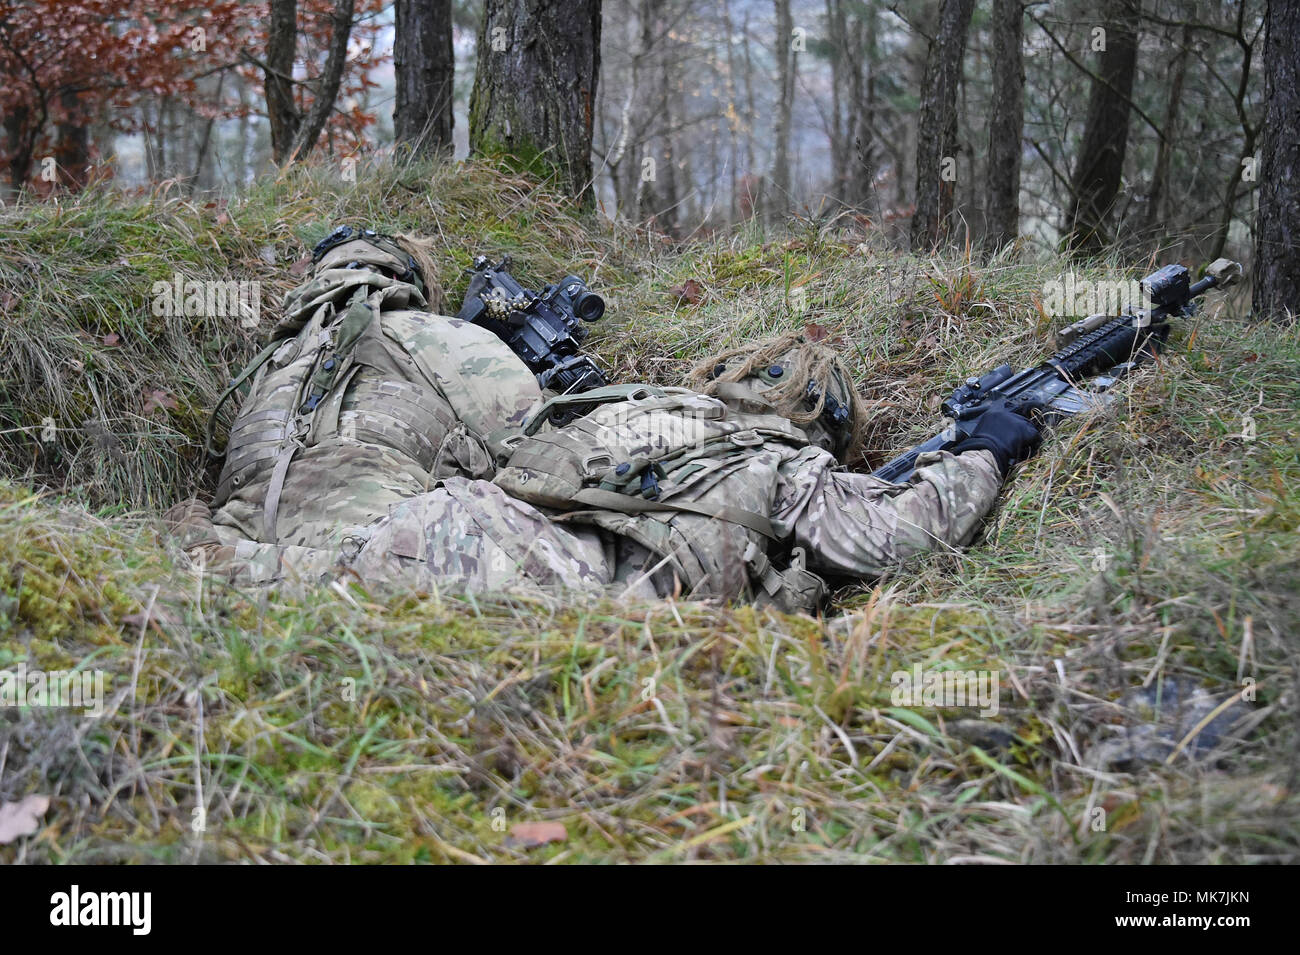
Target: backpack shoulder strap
[
  {"x": 613, "y": 501},
  {"x": 596, "y": 396},
  {"x": 250, "y": 369}
]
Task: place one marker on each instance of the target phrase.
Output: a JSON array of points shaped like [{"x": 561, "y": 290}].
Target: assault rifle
[
  {"x": 1095, "y": 354},
  {"x": 545, "y": 329}
]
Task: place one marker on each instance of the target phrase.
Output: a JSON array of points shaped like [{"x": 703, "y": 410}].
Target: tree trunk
[
  {"x": 1100, "y": 166},
  {"x": 837, "y": 30},
  {"x": 853, "y": 147},
  {"x": 1277, "y": 230},
  {"x": 733, "y": 117},
  {"x": 1006, "y": 126},
  {"x": 1249, "y": 132},
  {"x": 535, "y": 87},
  {"x": 668, "y": 216},
  {"x": 327, "y": 89},
  {"x": 624, "y": 153},
  {"x": 72, "y": 149},
  {"x": 863, "y": 154},
  {"x": 779, "y": 197},
  {"x": 1164, "y": 151},
  {"x": 936, "y": 138},
  {"x": 281, "y": 46},
  {"x": 164, "y": 137},
  {"x": 19, "y": 145},
  {"x": 751, "y": 110},
  {"x": 425, "y": 65},
  {"x": 658, "y": 199},
  {"x": 205, "y": 143},
  {"x": 247, "y": 135},
  {"x": 642, "y": 117}
]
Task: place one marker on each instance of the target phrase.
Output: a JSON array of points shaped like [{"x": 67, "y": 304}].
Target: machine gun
[
  {"x": 1095, "y": 354},
  {"x": 545, "y": 329}
]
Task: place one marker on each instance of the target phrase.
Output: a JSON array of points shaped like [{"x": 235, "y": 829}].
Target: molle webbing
[
  {"x": 249, "y": 370},
  {"x": 332, "y": 370},
  {"x": 397, "y": 414},
  {"x": 573, "y": 467}
]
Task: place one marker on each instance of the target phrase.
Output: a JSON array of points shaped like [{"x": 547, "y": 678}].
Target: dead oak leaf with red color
[
  {"x": 689, "y": 292},
  {"x": 159, "y": 400},
  {"x": 815, "y": 333}
]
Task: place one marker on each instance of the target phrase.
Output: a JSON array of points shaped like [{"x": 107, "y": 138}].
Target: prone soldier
[{"x": 415, "y": 451}]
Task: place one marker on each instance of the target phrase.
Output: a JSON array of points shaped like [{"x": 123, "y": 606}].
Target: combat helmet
[
  {"x": 401, "y": 257},
  {"x": 802, "y": 381}
]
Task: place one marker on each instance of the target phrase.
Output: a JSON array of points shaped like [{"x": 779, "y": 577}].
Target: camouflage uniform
[
  {"x": 363, "y": 400},
  {"x": 471, "y": 535},
  {"x": 657, "y": 492}
]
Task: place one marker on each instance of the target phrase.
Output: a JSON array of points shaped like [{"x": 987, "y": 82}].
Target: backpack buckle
[
  {"x": 745, "y": 439},
  {"x": 650, "y": 484},
  {"x": 598, "y": 461}
]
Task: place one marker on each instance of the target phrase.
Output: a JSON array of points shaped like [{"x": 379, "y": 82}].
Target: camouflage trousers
[
  {"x": 218, "y": 549},
  {"x": 465, "y": 536},
  {"x": 470, "y": 536}
]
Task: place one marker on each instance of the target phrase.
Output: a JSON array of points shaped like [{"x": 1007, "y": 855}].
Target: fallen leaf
[
  {"x": 159, "y": 400},
  {"x": 22, "y": 818},
  {"x": 301, "y": 266},
  {"x": 691, "y": 292},
  {"x": 530, "y": 835},
  {"x": 267, "y": 254},
  {"x": 815, "y": 333}
]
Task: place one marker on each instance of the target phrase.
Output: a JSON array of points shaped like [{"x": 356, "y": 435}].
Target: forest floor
[{"x": 1136, "y": 577}]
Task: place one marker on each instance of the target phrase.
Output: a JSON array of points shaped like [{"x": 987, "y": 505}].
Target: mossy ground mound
[{"x": 1154, "y": 542}]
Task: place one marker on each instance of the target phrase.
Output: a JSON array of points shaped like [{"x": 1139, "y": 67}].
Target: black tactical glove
[{"x": 1010, "y": 437}]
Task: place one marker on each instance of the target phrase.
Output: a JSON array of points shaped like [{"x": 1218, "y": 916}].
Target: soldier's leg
[
  {"x": 470, "y": 536},
  {"x": 221, "y": 550}
]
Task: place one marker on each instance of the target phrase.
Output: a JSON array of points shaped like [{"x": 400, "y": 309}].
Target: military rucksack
[
  {"x": 299, "y": 382},
  {"x": 654, "y": 454}
]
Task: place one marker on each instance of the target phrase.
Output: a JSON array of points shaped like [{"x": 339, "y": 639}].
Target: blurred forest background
[{"x": 1146, "y": 127}]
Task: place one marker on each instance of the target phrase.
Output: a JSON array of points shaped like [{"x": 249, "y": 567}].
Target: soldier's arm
[{"x": 857, "y": 525}]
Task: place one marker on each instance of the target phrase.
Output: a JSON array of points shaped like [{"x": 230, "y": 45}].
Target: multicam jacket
[
  {"x": 757, "y": 523},
  {"x": 362, "y": 400}
]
